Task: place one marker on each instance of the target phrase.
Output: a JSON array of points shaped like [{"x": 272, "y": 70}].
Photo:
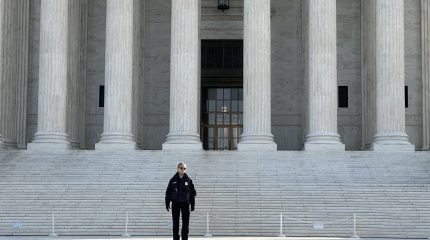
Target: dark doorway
[{"x": 222, "y": 94}]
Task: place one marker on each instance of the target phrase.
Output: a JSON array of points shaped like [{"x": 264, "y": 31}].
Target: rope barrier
[{"x": 281, "y": 234}]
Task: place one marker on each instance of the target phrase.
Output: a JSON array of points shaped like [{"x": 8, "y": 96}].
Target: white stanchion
[
  {"x": 281, "y": 234},
  {"x": 207, "y": 226},
  {"x": 53, "y": 226},
  {"x": 354, "y": 228},
  {"x": 126, "y": 234}
]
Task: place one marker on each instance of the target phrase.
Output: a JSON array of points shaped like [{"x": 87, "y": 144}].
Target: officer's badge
[{"x": 186, "y": 183}]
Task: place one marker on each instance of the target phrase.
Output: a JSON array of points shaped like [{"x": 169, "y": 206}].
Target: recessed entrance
[{"x": 222, "y": 94}]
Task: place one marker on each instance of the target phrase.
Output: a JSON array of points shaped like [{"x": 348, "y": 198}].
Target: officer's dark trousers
[{"x": 184, "y": 208}]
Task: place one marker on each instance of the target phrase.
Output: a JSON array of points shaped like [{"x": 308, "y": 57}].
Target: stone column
[
  {"x": 321, "y": 76},
  {"x": 117, "y": 127},
  {"x": 3, "y": 93},
  {"x": 13, "y": 68},
  {"x": 256, "y": 78},
  {"x": 52, "y": 102},
  {"x": 184, "y": 77},
  {"x": 425, "y": 52},
  {"x": 22, "y": 70},
  {"x": 76, "y": 74},
  {"x": 385, "y": 75}
]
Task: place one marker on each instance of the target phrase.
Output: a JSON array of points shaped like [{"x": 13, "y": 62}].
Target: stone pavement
[{"x": 191, "y": 238}]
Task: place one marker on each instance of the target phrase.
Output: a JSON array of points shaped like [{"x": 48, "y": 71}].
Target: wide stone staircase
[{"x": 242, "y": 194}]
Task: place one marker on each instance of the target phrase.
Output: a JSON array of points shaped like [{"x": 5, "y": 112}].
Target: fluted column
[
  {"x": 385, "y": 75},
  {"x": 256, "y": 78},
  {"x": 117, "y": 127},
  {"x": 9, "y": 72},
  {"x": 13, "y": 78},
  {"x": 2, "y": 79},
  {"x": 52, "y": 100},
  {"x": 23, "y": 21},
  {"x": 76, "y": 73},
  {"x": 321, "y": 76},
  {"x": 425, "y": 52},
  {"x": 184, "y": 76},
  {"x": 13, "y": 61}
]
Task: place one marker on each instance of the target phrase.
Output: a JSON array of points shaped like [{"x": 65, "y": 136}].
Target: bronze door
[{"x": 222, "y": 117}]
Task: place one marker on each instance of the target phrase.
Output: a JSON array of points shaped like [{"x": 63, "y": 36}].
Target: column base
[
  {"x": 257, "y": 142},
  {"x": 182, "y": 141},
  {"x": 323, "y": 142},
  {"x": 50, "y": 141},
  {"x": 7, "y": 143},
  {"x": 116, "y": 141},
  {"x": 310, "y": 146},
  {"x": 398, "y": 142},
  {"x": 2, "y": 147}
]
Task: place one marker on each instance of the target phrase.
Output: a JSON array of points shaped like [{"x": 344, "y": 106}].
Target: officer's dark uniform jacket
[{"x": 180, "y": 190}]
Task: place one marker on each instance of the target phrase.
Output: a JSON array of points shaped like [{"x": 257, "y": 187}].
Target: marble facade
[{"x": 136, "y": 49}]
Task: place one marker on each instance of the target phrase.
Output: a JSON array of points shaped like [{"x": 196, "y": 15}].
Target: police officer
[{"x": 180, "y": 191}]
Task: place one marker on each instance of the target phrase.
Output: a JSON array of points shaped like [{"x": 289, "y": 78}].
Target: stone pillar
[
  {"x": 118, "y": 114},
  {"x": 22, "y": 70},
  {"x": 13, "y": 68},
  {"x": 3, "y": 92},
  {"x": 321, "y": 76},
  {"x": 256, "y": 78},
  {"x": 76, "y": 74},
  {"x": 385, "y": 75},
  {"x": 184, "y": 77},
  {"x": 425, "y": 52},
  {"x": 52, "y": 100}
]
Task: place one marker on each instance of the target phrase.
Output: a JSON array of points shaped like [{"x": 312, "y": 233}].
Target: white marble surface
[
  {"x": 257, "y": 134},
  {"x": 52, "y": 93},
  {"x": 8, "y": 72},
  {"x": 385, "y": 74},
  {"x": 190, "y": 237},
  {"x": 287, "y": 69},
  {"x": 425, "y": 52},
  {"x": 184, "y": 77},
  {"x": 321, "y": 76},
  {"x": 76, "y": 72},
  {"x": 244, "y": 192},
  {"x": 118, "y": 109},
  {"x": 13, "y": 71}
]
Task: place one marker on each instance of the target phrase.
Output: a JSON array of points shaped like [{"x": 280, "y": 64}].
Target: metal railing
[{"x": 271, "y": 219}]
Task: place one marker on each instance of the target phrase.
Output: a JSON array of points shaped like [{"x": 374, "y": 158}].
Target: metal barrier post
[
  {"x": 355, "y": 233},
  {"x": 125, "y": 234},
  {"x": 53, "y": 226},
  {"x": 207, "y": 226},
  {"x": 280, "y": 226}
]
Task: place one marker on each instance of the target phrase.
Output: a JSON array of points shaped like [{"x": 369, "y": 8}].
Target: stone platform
[
  {"x": 190, "y": 238},
  {"x": 90, "y": 193}
]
